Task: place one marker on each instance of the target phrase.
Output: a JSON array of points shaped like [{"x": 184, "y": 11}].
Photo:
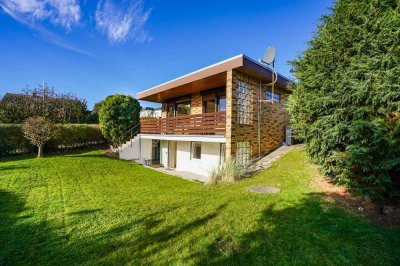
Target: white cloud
[
  {"x": 120, "y": 22},
  {"x": 65, "y": 13},
  {"x": 44, "y": 33}
]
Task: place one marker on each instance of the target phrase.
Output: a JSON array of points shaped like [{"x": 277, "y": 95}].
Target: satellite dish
[{"x": 270, "y": 54}]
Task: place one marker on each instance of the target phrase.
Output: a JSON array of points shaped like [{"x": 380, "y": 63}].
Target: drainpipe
[{"x": 259, "y": 119}]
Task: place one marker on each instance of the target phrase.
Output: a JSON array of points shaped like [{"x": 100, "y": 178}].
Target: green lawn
[{"x": 85, "y": 208}]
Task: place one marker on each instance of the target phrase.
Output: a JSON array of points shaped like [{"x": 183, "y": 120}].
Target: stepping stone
[{"x": 264, "y": 189}]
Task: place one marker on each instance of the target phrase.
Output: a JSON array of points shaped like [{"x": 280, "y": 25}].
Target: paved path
[
  {"x": 269, "y": 159},
  {"x": 183, "y": 174}
]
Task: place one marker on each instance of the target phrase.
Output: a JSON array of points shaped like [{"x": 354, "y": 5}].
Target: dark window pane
[
  {"x": 209, "y": 106},
  {"x": 196, "y": 150}
]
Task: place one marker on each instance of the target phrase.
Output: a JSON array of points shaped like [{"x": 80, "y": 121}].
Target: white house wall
[
  {"x": 145, "y": 150},
  {"x": 210, "y": 155}
]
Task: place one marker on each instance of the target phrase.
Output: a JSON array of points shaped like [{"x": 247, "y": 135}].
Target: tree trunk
[{"x": 40, "y": 151}]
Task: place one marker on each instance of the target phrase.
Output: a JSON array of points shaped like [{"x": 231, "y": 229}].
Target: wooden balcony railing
[{"x": 200, "y": 124}]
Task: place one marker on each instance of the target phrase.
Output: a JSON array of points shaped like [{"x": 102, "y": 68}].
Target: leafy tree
[
  {"x": 42, "y": 101},
  {"x": 118, "y": 113},
  {"x": 346, "y": 101},
  {"x": 93, "y": 116},
  {"x": 38, "y": 131}
]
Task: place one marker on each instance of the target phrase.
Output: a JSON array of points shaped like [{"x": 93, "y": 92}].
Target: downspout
[{"x": 259, "y": 119}]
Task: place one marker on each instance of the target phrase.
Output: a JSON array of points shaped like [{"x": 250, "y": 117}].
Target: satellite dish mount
[{"x": 269, "y": 59}]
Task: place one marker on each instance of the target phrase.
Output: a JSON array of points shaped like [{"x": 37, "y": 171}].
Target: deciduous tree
[{"x": 38, "y": 131}]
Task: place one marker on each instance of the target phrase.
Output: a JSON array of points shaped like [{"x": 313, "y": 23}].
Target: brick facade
[
  {"x": 197, "y": 105},
  {"x": 273, "y": 118}
]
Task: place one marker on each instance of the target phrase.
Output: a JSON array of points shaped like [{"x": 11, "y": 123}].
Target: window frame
[
  {"x": 174, "y": 104},
  {"x": 214, "y": 96},
  {"x": 192, "y": 148}
]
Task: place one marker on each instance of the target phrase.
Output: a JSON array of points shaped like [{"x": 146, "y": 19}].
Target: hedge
[{"x": 65, "y": 136}]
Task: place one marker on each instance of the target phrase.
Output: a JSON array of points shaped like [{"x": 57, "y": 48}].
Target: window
[
  {"x": 196, "y": 150},
  {"x": 243, "y": 152},
  {"x": 276, "y": 96},
  {"x": 209, "y": 103},
  {"x": 171, "y": 111},
  {"x": 222, "y": 151},
  {"x": 214, "y": 102},
  {"x": 245, "y": 115},
  {"x": 183, "y": 108},
  {"x": 222, "y": 103}
]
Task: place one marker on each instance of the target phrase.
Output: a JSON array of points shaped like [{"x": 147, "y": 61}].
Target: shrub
[
  {"x": 346, "y": 103},
  {"x": 118, "y": 113},
  {"x": 229, "y": 172},
  {"x": 12, "y": 141},
  {"x": 64, "y": 137}
]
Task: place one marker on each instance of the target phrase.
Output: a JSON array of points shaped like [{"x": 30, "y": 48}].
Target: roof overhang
[{"x": 207, "y": 78}]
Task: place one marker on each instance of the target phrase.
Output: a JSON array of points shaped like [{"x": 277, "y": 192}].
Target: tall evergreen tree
[{"x": 346, "y": 101}]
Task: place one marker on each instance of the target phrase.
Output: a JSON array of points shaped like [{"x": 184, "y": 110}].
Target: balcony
[{"x": 199, "y": 124}]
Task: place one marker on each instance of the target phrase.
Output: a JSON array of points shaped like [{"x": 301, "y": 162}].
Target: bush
[
  {"x": 346, "y": 103},
  {"x": 118, "y": 113},
  {"x": 12, "y": 141},
  {"x": 65, "y": 137},
  {"x": 229, "y": 172}
]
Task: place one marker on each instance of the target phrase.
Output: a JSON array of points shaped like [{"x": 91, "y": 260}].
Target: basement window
[
  {"x": 196, "y": 150},
  {"x": 243, "y": 152}
]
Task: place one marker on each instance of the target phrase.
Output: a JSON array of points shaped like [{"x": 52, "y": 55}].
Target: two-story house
[{"x": 223, "y": 110}]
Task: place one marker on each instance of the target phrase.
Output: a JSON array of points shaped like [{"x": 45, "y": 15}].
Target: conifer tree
[{"x": 346, "y": 100}]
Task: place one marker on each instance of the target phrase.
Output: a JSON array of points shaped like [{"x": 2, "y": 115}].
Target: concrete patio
[{"x": 182, "y": 174}]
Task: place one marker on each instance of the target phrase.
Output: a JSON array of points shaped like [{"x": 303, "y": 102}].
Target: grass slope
[{"x": 90, "y": 209}]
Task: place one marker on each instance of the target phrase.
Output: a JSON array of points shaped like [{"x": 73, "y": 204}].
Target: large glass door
[{"x": 155, "y": 151}]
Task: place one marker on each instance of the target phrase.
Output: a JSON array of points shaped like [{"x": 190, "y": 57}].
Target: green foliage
[
  {"x": 45, "y": 102},
  {"x": 69, "y": 136},
  {"x": 118, "y": 113},
  {"x": 228, "y": 172},
  {"x": 12, "y": 141},
  {"x": 346, "y": 103},
  {"x": 38, "y": 130},
  {"x": 93, "y": 116},
  {"x": 64, "y": 137}
]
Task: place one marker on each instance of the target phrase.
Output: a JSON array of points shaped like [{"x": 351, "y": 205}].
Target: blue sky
[{"x": 97, "y": 48}]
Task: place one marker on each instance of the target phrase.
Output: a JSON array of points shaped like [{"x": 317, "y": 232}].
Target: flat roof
[{"x": 207, "y": 78}]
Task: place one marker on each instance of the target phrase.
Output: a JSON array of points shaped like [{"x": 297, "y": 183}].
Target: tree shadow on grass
[
  {"x": 13, "y": 167},
  {"x": 22, "y": 238},
  {"x": 309, "y": 232},
  {"x": 25, "y": 239},
  {"x": 80, "y": 152},
  {"x": 151, "y": 237}
]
